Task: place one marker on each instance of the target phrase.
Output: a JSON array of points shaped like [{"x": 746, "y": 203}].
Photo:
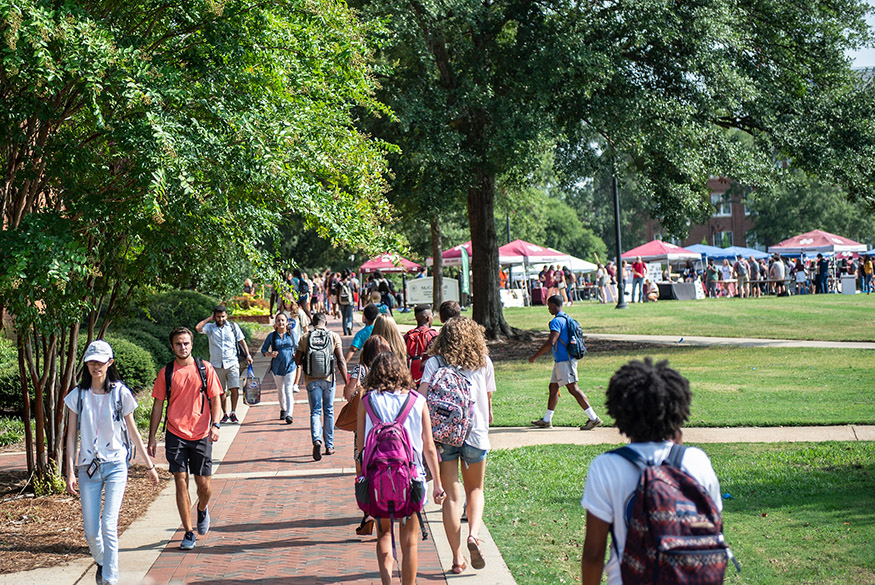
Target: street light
[{"x": 621, "y": 293}]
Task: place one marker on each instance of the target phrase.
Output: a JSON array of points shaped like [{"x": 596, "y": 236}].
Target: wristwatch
[{"x": 217, "y": 425}]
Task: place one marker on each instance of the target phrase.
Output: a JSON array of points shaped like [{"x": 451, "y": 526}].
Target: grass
[
  {"x": 732, "y": 386},
  {"x": 820, "y": 317},
  {"x": 799, "y": 513}
]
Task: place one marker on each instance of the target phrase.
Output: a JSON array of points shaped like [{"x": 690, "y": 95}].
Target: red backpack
[
  {"x": 418, "y": 341},
  {"x": 675, "y": 531}
]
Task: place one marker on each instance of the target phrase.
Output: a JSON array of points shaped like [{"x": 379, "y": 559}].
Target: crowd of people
[{"x": 398, "y": 382}]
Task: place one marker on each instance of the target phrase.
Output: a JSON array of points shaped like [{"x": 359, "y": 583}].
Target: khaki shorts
[
  {"x": 564, "y": 373},
  {"x": 229, "y": 377}
]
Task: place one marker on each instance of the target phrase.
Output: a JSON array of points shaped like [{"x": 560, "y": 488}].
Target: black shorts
[{"x": 195, "y": 457}]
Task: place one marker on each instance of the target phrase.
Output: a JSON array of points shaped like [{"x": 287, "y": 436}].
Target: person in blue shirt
[
  {"x": 564, "y": 368},
  {"x": 369, "y": 315},
  {"x": 281, "y": 345}
]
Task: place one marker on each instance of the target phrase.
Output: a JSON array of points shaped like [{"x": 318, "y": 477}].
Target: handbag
[
  {"x": 252, "y": 388},
  {"x": 347, "y": 419}
]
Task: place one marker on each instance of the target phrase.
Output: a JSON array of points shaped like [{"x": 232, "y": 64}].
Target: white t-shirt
[
  {"x": 101, "y": 435},
  {"x": 482, "y": 384},
  {"x": 612, "y": 480},
  {"x": 387, "y": 405}
]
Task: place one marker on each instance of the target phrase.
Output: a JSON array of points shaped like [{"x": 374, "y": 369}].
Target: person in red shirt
[
  {"x": 192, "y": 428},
  {"x": 638, "y": 270}
]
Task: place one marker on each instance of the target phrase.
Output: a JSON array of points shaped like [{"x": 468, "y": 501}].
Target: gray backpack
[{"x": 319, "y": 361}]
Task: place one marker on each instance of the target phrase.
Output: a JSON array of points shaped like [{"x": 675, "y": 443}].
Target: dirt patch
[
  {"x": 526, "y": 346},
  {"x": 47, "y": 531}
]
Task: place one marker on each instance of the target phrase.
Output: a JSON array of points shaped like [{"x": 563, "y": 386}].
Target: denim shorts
[{"x": 468, "y": 453}]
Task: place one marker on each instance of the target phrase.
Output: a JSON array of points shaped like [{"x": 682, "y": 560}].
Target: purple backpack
[{"x": 389, "y": 485}]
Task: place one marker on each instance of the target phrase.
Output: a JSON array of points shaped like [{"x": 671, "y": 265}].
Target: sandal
[
  {"x": 476, "y": 554},
  {"x": 459, "y": 569},
  {"x": 366, "y": 528}
]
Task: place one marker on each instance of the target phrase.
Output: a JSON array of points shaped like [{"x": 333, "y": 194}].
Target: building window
[
  {"x": 722, "y": 239},
  {"x": 722, "y": 203}
]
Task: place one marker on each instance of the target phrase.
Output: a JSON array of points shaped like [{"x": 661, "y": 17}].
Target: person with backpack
[
  {"x": 192, "y": 391},
  {"x": 100, "y": 409},
  {"x": 227, "y": 348},
  {"x": 369, "y": 315},
  {"x": 302, "y": 289},
  {"x": 281, "y": 344},
  {"x": 353, "y": 392},
  {"x": 562, "y": 341},
  {"x": 346, "y": 301},
  {"x": 386, "y": 327},
  {"x": 418, "y": 340},
  {"x": 459, "y": 380},
  {"x": 319, "y": 352},
  {"x": 393, "y": 427},
  {"x": 650, "y": 403}
]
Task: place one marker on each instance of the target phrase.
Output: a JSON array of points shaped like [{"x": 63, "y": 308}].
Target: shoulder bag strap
[{"x": 675, "y": 456}]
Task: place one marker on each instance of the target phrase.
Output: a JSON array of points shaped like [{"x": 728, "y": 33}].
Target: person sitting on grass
[{"x": 649, "y": 403}]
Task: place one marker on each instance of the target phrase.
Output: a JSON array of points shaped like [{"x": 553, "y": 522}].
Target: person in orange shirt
[
  {"x": 502, "y": 276},
  {"x": 193, "y": 412}
]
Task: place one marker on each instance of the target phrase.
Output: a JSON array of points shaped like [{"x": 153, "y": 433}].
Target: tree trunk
[
  {"x": 437, "y": 267},
  {"x": 25, "y": 413},
  {"x": 484, "y": 256}
]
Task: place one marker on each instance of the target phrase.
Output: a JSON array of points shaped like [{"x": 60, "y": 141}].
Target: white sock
[
  {"x": 548, "y": 416},
  {"x": 590, "y": 413}
]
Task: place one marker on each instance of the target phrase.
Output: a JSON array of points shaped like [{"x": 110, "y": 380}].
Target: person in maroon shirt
[{"x": 638, "y": 270}]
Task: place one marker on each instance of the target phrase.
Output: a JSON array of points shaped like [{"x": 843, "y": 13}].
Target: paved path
[{"x": 281, "y": 518}]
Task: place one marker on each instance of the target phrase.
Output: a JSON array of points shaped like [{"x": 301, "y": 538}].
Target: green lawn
[
  {"x": 732, "y": 386},
  {"x": 800, "y": 513},
  {"x": 823, "y": 317}
]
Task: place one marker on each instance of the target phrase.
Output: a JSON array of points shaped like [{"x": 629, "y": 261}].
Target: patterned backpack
[
  {"x": 449, "y": 404},
  {"x": 675, "y": 531}
]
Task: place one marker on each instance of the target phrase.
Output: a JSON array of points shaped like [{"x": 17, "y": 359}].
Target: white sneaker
[{"x": 295, "y": 388}]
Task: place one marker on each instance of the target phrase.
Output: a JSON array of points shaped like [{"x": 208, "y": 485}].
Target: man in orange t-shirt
[{"x": 192, "y": 428}]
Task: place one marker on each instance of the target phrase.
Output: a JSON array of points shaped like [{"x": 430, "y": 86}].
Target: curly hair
[
  {"x": 649, "y": 403},
  {"x": 387, "y": 374},
  {"x": 385, "y": 327},
  {"x": 461, "y": 342}
]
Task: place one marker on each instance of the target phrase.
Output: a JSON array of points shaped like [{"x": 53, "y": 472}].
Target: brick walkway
[{"x": 280, "y": 517}]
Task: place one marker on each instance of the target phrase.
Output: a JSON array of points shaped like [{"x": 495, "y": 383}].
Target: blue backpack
[{"x": 575, "y": 346}]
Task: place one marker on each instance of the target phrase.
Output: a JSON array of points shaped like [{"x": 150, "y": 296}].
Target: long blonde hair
[
  {"x": 462, "y": 343},
  {"x": 385, "y": 327}
]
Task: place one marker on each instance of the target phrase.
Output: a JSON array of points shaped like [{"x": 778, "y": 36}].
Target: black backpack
[
  {"x": 168, "y": 377},
  {"x": 575, "y": 346}
]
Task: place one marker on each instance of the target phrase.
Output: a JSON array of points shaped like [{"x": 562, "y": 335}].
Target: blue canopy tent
[
  {"x": 733, "y": 252},
  {"x": 706, "y": 251},
  {"x": 871, "y": 252}
]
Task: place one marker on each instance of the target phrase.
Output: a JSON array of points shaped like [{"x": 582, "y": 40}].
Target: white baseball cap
[{"x": 98, "y": 351}]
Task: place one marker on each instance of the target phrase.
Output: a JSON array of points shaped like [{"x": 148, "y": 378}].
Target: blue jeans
[
  {"x": 346, "y": 318},
  {"x": 320, "y": 393},
  {"x": 639, "y": 282},
  {"x": 101, "y": 527}
]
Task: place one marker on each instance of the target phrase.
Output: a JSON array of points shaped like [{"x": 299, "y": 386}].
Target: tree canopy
[{"x": 149, "y": 142}]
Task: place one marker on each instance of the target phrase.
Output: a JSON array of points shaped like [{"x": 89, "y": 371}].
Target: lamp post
[{"x": 621, "y": 293}]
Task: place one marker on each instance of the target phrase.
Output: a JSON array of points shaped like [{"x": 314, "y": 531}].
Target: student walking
[
  {"x": 225, "y": 337},
  {"x": 389, "y": 387},
  {"x": 101, "y": 410},
  {"x": 460, "y": 345},
  {"x": 281, "y": 345},
  {"x": 192, "y": 390},
  {"x": 653, "y": 430},
  {"x": 564, "y": 368},
  {"x": 319, "y": 353}
]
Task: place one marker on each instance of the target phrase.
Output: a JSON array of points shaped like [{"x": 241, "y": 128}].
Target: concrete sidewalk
[{"x": 739, "y": 341}]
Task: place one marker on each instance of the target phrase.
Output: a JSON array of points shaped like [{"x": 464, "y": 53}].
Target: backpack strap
[
  {"x": 675, "y": 456},
  {"x": 168, "y": 379},
  {"x": 568, "y": 330},
  {"x": 402, "y": 414},
  {"x": 202, "y": 371},
  {"x": 632, "y": 456}
]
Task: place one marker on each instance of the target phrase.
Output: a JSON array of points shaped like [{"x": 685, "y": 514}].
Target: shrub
[
  {"x": 11, "y": 431},
  {"x": 10, "y": 387},
  {"x": 249, "y": 303},
  {"x": 158, "y": 349}
]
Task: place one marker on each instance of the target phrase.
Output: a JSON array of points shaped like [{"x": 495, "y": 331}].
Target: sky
[{"x": 866, "y": 57}]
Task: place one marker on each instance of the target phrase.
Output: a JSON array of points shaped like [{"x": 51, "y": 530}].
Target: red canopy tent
[
  {"x": 520, "y": 251},
  {"x": 817, "y": 241},
  {"x": 659, "y": 250},
  {"x": 453, "y": 256},
  {"x": 389, "y": 263}
]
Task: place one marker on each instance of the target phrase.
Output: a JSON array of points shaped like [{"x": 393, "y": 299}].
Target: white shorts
[
  {"x": 564, "y": 373},
  {"x": 229, "y": 377}
]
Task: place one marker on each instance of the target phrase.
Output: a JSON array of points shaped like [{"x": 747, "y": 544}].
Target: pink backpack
[{"x": 389, "y": 486}]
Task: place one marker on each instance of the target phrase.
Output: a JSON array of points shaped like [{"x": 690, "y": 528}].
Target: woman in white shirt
[
  {"x": 101, "y": 409},
  {"x": 389, "y": 387},
  {"x": 461, "y": 344}
]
